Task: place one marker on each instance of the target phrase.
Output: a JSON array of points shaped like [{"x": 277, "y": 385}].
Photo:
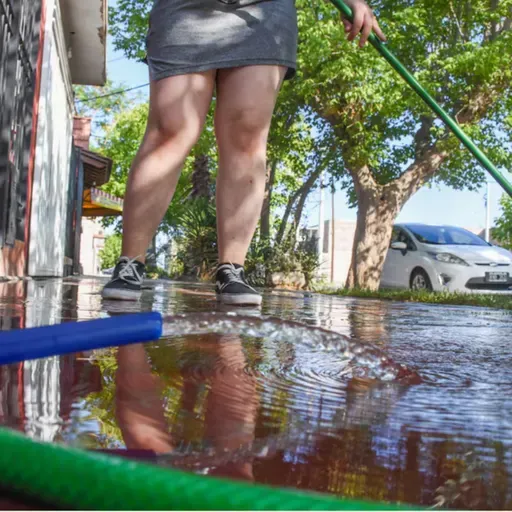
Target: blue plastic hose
[{"x": 24, "y": 344}]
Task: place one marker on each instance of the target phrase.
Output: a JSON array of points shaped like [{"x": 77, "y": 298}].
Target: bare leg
[
  {"x": 139, "y": 404},
  {"x": 178, "y": 108},
  {"x": 245, "y": 102},
  {"x": 231, "y": 406}
]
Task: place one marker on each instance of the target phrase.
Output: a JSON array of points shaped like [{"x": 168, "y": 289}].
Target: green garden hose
[
  {"x": 431, "y": 102},
  {"x": 75, "y": 479}
]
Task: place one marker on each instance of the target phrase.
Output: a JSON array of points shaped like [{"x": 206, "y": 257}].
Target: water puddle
[
  {"x": 268, "y": 386},
  {"x": 366, "y": 399}
]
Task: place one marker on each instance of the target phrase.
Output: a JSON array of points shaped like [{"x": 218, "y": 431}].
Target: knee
[
  {"x": 243, "y": 130},
  {"x": 168, "y": 129}
]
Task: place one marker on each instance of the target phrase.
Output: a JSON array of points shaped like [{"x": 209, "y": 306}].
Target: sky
[{"x": 436, "y": 205}]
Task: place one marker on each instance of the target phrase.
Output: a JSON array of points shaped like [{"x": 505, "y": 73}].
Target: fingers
[
  {"x": 357, "y": 23},
  {"x": 367, "y": 29},
  {"x": 363, "y": 23},
  {"x": 378, "y": 30}
]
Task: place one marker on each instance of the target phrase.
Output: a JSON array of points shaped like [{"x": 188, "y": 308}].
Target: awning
[
  {"x": 101, "y": 204},
  {"x": 97, "y": 168},
  {"x": 85, "y": 31}
]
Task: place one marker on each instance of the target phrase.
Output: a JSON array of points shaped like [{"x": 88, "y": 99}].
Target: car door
[
  {"x": 388, "y": 277},
  {"x": 397, "y": 266},
  {"x": 408, "y": 261}
]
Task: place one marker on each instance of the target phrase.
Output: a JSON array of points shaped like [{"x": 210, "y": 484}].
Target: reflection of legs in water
[
  {"x": 139, "y": 405},
  {"x": 231, "y": 405}
]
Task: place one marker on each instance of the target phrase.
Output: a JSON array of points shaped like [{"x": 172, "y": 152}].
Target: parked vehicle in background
[{"x": 445, "y": 258}]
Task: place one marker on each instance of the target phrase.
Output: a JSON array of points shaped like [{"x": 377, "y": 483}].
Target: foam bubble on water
[{"x": 355, "y": 359}]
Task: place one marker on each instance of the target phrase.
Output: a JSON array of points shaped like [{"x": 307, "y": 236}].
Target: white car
[{"x": 445, "y": 258}]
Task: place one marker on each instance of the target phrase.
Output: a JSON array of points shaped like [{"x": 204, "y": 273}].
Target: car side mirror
[{"x": 399, "y": 246}]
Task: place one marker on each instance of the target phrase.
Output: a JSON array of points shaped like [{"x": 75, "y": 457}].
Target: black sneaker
[
  {"x": 232, "y": 287},
  {"x": 126, "y": 282}
]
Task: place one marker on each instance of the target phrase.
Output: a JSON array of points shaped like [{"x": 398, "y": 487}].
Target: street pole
[
  {"x": 321, "y": 224},
  {"x": 488, "y": 213},
  {"x": 333, "y": 231}
]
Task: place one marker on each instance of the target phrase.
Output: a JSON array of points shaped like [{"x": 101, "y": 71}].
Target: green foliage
[
  {"x": 129, "y": 23},
  {"x": 176, "y": 268},
  {"x": 375, "y": 115},
  {"x": 264, "y": 259},
  {"x": 196, "y": 237},
  {"x": 309, "y": 260},
  {"x": 111, "y": 251},
  {"x": 155, "y": 272},
  {"x": 122, "y": 141},
  {"x": 102, "y": 404},
  {"x": 256, "y": 262},
  {"x": 461, "y": 299},
  {"x": 502, "y": 233}
]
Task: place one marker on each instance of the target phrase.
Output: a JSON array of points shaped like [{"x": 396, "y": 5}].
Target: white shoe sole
[
  {"x": 113, "y": 294},
  {"x": 239, "y": 299}
]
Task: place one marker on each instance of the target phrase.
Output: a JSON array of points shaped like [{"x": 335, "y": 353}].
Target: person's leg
[
  {"x": 139, "y": 406},
  {"x": 245, "y": 103},
  {"x": 178, "y": 109},
  {"x": 231, "y": 405}
]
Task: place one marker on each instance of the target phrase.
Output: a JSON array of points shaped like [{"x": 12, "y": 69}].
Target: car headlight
[{"x": 446, "y": 257}]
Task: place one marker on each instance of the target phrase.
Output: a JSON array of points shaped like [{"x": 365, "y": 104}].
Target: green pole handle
[
  {"x": 431, "y": 102},
  {"x": 76, "y": 479}
]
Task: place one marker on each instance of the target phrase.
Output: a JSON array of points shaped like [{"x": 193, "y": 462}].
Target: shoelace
[
  {"x": 234, "y": 274},
  {"x": 129, "y": 270}
]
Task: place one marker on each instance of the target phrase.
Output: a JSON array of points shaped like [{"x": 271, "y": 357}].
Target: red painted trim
[
  {"x": 33, "y": 141},
  {"x": 21, "y": 395}
]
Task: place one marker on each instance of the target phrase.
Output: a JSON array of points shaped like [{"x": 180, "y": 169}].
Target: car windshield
[{"x": 445, "y": 235}]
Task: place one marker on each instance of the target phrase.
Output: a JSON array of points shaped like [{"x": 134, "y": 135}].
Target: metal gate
[
  {"x": 74, "y": 212},
  {"x": 19, "y": 41}
]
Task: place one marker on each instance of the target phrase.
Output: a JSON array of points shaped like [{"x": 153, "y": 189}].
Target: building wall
[
  {"x": 343, "y": 242},
  {"x": 20, "y": 33},
  {"x": 93, "y": 240},
  {"x": 53, "y": 151}
]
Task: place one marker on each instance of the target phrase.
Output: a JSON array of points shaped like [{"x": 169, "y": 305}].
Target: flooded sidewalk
[{"x": 276, "y": 412}]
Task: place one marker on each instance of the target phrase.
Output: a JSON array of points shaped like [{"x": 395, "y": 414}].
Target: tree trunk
[
  {"x": 299, "y": 210},
  {"x": 201, "y": 180},
  {"x": 284, "y": 221},
  {"x": 265, "y": 210},
  {"x": 378, "y": 207},
  {"x": 374, "y": 226}
]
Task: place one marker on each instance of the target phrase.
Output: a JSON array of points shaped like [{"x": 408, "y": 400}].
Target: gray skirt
[{"x": 187, "y": 36}]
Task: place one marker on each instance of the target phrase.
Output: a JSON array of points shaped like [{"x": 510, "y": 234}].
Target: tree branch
[
  {"x": 478, "y": 105},
  {"x": 300, "y": 194},
  {"x": 422, "y": 137},
  {"x": 305, "y": 190},
  {"x": 416, "y": 175},
  {"x": 265, "y": 210},
  {"x": 284, "y": 222},
  {"x": 457, "y": 22}
]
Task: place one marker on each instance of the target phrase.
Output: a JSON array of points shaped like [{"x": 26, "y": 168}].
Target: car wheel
[{"x": 420, "y": 281}]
